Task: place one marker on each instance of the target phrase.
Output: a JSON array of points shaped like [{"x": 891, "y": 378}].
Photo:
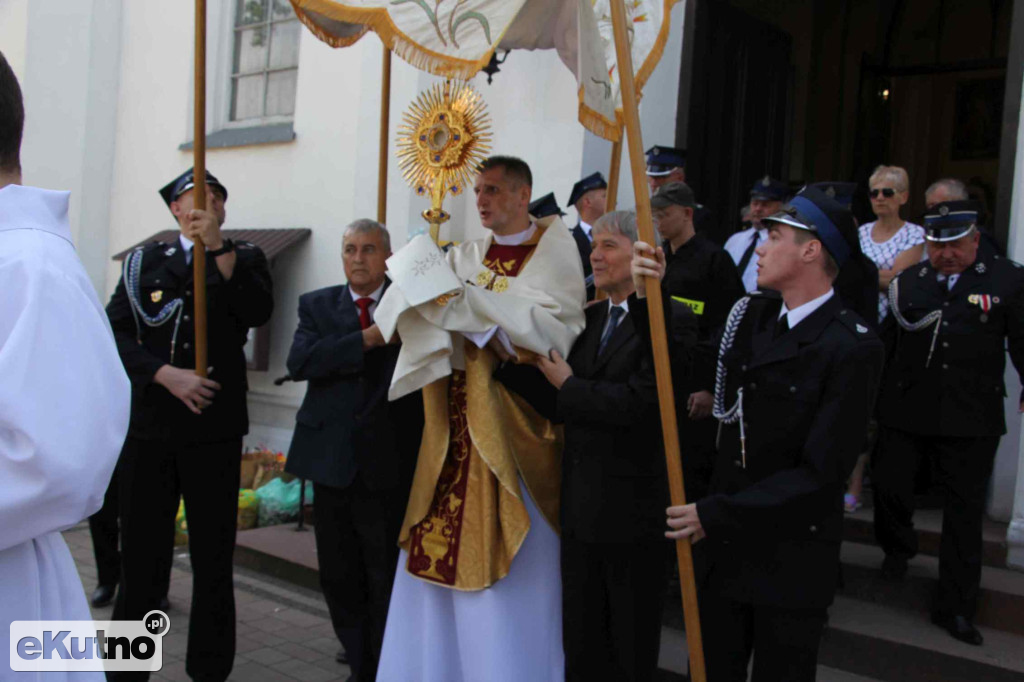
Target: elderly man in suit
[
  {"x": 357, "y": 448},
  {"x": 614, "y": 489}
]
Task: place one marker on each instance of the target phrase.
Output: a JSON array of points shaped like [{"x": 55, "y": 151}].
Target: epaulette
[{"x": 854, "y": 323}]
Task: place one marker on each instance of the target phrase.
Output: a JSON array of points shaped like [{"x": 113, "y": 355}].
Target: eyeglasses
[{"x": 887, "y": 192}]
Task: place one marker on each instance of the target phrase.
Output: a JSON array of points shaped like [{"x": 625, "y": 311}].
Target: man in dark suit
[
  {"x": 185, "y": 437},
  {"x": 614, "y": 490},
  {"x": 795, "y": 389},
  {"x": 589, "y": 197},
  {"x": 942, "y": 401},
  {"x": 357, "y": 448}
]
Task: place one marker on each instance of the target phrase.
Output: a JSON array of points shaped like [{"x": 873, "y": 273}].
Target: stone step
[
  {"x": 859, "y": 527},
  {"x": 1000, "y": 603}
]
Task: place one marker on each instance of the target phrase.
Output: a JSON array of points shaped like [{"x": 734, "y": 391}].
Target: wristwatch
[{"x": 227, "y": 247}]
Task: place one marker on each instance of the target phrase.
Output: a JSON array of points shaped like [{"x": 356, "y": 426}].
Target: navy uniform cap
[
  {"x": 814, "y": 211},
  {"x": 663, "y": 160},
  {"x": 950, "y": 220},
  {"x": 592, "y": 181},
  {"x": 769, "y": 189},
  {"x": 841, "y": 192},
  {"x": 184, "y": 182},
  {"x": 545, "y": 206}
]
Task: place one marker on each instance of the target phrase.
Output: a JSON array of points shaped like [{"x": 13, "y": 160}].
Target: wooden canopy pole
[
  {"x": 199, "y": 190},
  {"x": 613, "y": 174},
  {"x": 666, "y": 399},
  {"x": 382, "y": 163}
]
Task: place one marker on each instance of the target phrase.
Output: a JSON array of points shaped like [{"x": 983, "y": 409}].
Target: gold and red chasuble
[{"x": 476, "y": 521}]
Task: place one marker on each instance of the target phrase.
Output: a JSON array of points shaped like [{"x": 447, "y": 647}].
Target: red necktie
[{"x": 364, "y": 304}]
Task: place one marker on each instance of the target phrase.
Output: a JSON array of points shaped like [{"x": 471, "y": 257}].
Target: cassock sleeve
[{"x": 64, "y": 400}]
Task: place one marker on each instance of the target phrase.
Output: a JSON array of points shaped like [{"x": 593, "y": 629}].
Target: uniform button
[
  {"x": 185, "y": 345},
  {"x": 186, "y": 318},
  {"x": 842, "y": 312},
  {"x": 188, "y": 293},
  {"x": 743, "y": 367},
  {"x": 945, "y": 366},
  {"x": 946, "y": 304},
  {"x": 814, "y": 529},
  {"x": 945, "y": 344},
  {"x": 753, "y": 386},
  {"x": 792, "y": 389},
  {"x": 156, "y": 281},
  {"x": 738, "y": 463},
  {"x": 945, "y": 323}
]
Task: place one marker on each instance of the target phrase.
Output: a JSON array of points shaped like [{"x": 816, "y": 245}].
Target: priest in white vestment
[
  {"x": 64, "y": 398},
  {"x": 477, "y": 593}
]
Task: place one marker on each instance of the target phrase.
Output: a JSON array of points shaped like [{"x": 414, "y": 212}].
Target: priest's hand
[
  {"x": 647, "y": 262},
  {"x": 205, "y": 226},
  {"x": 556, "y": 370},
  {"x": 195, "y": 391},
  {"x": 699, "y": 404},
  {"x": 684, "y": 522}
]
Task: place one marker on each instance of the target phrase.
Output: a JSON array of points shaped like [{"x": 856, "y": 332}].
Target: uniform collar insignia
[
  {"x": 980, "y": 267},
  {"x": 170, "y": 251},
  {"x": 861, "y": 328},
  {"x": 923, "y": 272}
]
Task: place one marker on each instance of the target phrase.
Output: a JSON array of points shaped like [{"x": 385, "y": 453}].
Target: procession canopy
[{"x": 456, "y": 38}]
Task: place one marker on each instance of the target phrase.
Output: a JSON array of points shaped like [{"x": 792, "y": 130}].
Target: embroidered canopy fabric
[{"x": 456, "y": 38}]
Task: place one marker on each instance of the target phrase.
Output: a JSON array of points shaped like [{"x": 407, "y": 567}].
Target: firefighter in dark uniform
[
  {"x": 546, "y": 206},
  {"x": 589, "y": 197},
  {"x": 668, "y": 164},
  {"x": 942, "y": 400},
  {"x": 186, "y": 432},
  {"x": 703, "y": 276},
  {"x": 796, "y": 385}
]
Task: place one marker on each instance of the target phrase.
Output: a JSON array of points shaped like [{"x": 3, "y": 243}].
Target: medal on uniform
[{"x": 156, "y": 296}]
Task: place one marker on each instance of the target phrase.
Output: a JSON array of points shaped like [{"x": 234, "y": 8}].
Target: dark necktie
[
  {"x": 614, "y": 315},
  {"x": 782, "y": 326},
  {"x": 747, "y": 255},
  {"x": 364, "y": 304}
]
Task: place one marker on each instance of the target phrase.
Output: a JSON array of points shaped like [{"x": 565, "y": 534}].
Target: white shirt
[
  {"x": 949, "y": 280},
  {"x": 64, "y": 408},
  {"x": 375, "y": 295},
  {"x": 587, "y": 230},
  {"x": 738, "y": 244},
  {"x": 625, "y": 310},
  {"x": 799, "y": 313},
  {"x": 186, "y": 246}
]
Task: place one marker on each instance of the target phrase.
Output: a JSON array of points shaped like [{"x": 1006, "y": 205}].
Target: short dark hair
[
  {"x": 12, "y": 119},
  {"x": 517, "y": 169},
  {"x": 828, "y": 263}
]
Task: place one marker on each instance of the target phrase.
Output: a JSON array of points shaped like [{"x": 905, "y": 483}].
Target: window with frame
[{"x": 265, "y": 63}]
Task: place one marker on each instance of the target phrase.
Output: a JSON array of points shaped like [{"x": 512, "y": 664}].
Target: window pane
[
  {"x": 251, "y": 50},
  {"x": 282, "y": 10},
  {"x": 250, "y": 12},
  {"x": 247, "y": 97},
  {"x": 284, "y": 45},
  {"x": 281, "y": 93}
]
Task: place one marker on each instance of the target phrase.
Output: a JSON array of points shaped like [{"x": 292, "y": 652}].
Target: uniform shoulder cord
[
  {"x": 735, "y": 413},
  {"x": 131, "y": 272},
  {"x": 934, "y": 317}
]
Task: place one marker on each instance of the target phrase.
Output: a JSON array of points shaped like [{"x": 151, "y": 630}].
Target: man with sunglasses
[{"x": 942, "y": 401}]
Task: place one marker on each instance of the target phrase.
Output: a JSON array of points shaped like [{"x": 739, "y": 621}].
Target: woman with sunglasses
[
  {"x": 894, "y": 245},
  {"x": 891, "y": 242}
]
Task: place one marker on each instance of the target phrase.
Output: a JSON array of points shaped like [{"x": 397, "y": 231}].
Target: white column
[
  {"x": 1015, "y": 534},
  {"x": 70, "y": 85}
]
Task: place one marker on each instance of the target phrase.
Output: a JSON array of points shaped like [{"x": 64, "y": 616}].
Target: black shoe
[
  {"x": 165, "y": 604},
  {"x": 959, "y": 627},
  {"x": 894, "y": 568},
  {"x": 341, "y": 657},
  {"x": 103, "y": 595}
]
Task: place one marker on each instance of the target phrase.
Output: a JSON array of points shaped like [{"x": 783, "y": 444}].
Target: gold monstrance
[{"x": 444, "y": 136}]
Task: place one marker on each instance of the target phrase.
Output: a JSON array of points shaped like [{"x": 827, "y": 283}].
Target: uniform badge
[
  {"x": 862, "y": 329},
  {"x": 830, "y": 192},
  {"x": 983, "y": 301},
  {"x": 923, "y": 272},
  {"x": 156, "y": 296},
  {"x": 170, "y": 251},
  {"x": 943, "y": 210},
  {"x": 980, "y": 268}
]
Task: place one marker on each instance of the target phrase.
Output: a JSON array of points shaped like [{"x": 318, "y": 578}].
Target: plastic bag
[
  {"x": 248, "y": 509},
  {"x": 279, "y": 501}
]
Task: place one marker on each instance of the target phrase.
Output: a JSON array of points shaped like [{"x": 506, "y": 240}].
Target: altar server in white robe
[
  {"x": 64, "y": 398},
  {"x": 477, "y": 595}
]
